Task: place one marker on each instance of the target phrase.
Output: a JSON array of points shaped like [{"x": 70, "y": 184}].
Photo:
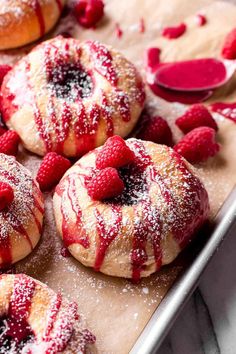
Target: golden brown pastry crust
[{"x": 24, "y": 21}]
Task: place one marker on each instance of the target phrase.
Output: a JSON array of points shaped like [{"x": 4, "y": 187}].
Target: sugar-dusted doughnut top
[
  {"x": 34, "y": 319},
  {"x": 70, "y": 96},
  {"x": 162, "y": 206},
  {"x": 21, "y": 222}
]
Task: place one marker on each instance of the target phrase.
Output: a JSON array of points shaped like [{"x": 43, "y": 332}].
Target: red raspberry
[
  {"x": 198, "y": 145},
  {"x": 155, "y": 129},
  {"x": 4, "y": 68},
  {"x": 115, "y": 153},
  {"x": 6, "y": 195},
  {"x": 51, "y": 170},
  {"x": 105, "y": 184},
  {"x": 195, "y": 117},
  {"x": 88, "y": 12},
  {"x": 9, "y": 143},
  {"x": 229, "y": 47}
]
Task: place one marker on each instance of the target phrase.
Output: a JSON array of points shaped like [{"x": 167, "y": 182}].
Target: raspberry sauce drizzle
[
  {"x": 58, "y": 341},
  {"x": 18, "y": 328},
  {"x": 55, "y": 307},
  {"x": 59, "y": 4},
  {"x": 106, "y": 236},
  {"x": 72, "y": 232},
  {"x": 228, "y": 110},
  {"x": 102, "y": 59},
  {"x": 38, "y": 12}
]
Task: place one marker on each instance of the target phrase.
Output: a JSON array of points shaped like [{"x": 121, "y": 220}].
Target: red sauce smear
[
  {"x": 201, "y": 20},
  {"x": 178, "y": 96},
  {"x": 141, "y": 25},
  {"x": 192, "y": 75},
  {"x": 174, "y": 32},
  {"x": 119, "y": 32},
  {"x": 152, "y": 59},
  {"x": 228, "y": 110}
]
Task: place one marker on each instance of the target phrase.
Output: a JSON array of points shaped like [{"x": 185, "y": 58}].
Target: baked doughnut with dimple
[
  {"x": 24, "y": 21},
  {"x": 132, "y": 235},
  {"x": 21, "y": 221},
  {"x": 34, "y": 319},
  {"x": 69, "y": 96}
]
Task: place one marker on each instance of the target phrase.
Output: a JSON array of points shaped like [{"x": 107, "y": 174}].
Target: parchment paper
[{"x": 117, "y": 310}]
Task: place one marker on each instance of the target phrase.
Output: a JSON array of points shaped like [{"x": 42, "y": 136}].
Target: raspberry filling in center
[
  {"x": 70, "y": 82},
  {"x": 136, "y": 186},
  {"x": 14, "y": 334}
]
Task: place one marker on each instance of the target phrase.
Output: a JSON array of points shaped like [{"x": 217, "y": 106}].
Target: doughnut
[
  {"x": 21, "y": 221},
  {"x": 24, "y": 21},
  {"x": 36, "y": 320},
  {"x": 132, "y": 235},
  {"x": 69, "y": 96}
]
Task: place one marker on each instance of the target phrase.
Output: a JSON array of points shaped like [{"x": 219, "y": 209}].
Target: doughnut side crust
[
  {"x": 21, "y": 223},
  {"x": 24, "y": 21},
  {"x": 161, "y": 220},
  {"x": 52, "y": 320},
  {"x": 49, "y": 116}
]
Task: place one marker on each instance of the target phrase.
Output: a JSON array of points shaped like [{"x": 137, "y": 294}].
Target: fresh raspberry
[
  {"x": 105, "y": 184},
  {"x": 155, "y": 129},
  {"x": 198, "y": 145},
  {"x": 6, "y": 195},
  {"x": 51, "y": 170},
  {"x": 88, "y": 12},
  {"x": 4, "y": 68},
  {"x": 195, "y": 117},
  {"x": 229, "y": 47},
  {"x": 115, "y": 153},
  {"x": 9, "y": 143}
]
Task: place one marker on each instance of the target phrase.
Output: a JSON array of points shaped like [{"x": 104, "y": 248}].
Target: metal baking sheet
[{"x": 197, "y": 256}]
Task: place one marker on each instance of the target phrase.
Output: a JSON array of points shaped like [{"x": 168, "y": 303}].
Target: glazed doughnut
[
  {"x": 36, "y": 320},
  {"x": 68, "y": 96},
  {"x": 132, "y": 235},
  {"x": 24, "y": 21},
  {"x": 21, "y": 222}
]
